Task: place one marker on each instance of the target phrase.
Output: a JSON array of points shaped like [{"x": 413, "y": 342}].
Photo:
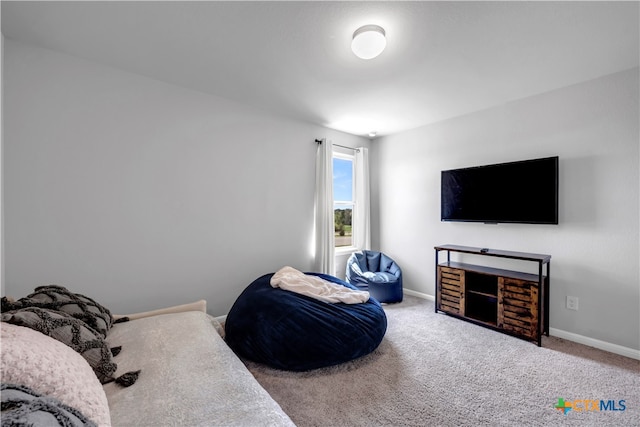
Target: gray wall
[
  {"x": 1, "y": 171},
  {"x": 593, "y": 128},
  {"x": 143, "y": 194}
]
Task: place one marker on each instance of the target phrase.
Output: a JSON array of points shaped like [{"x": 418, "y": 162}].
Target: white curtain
[
  {"x": 362, "y": 237},
  {"x": 324, "y": 229}
]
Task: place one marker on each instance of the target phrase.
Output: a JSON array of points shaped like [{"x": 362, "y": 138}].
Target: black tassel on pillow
[
  {"x": 121, "y": 320},
  {"x": 116, "y": 350},
  {"x": 125, "y": 380},
  {"x": 8, "y": 304}
]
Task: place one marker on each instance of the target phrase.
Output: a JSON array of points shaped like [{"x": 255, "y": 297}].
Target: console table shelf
[{"x": 509, "y": 301}]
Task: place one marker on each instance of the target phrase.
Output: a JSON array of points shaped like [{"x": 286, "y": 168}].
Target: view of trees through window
[
  {"x": 343, "y": 202},
  {"x": 343, "y": 227}
]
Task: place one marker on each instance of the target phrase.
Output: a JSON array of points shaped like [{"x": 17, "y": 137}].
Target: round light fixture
[{"x": 368, "y": 41}]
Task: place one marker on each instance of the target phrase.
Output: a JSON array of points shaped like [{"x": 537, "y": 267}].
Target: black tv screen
[{"x": 516, "y": 192}]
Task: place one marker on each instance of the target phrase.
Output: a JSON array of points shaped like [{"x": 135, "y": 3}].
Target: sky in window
[{"x": 342, "y": 179}]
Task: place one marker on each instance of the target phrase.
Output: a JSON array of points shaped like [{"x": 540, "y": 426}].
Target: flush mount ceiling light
[{"x": 368, "y": 41}]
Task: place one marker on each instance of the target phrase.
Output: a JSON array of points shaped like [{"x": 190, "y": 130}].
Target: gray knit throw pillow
[
  {"x": 22, "y": 406},
  {"x": 74, "y": 333},
  {"x": 59, "y": 298}
]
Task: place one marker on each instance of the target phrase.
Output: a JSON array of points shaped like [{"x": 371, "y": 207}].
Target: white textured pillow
[{"x": 49, "y": 367}]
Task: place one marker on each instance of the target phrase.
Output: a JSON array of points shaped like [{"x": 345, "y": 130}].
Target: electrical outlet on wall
[{"x": 572, "y": 303}]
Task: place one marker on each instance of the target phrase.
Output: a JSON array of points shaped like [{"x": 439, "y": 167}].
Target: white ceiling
[{"x": 443, "y": 59}]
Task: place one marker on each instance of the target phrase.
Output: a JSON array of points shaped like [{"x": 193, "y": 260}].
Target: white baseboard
[
  {"x": 570, "y": 336},
  {"x": 419, "y": 294},
  {"x": 592, "y": 342}
]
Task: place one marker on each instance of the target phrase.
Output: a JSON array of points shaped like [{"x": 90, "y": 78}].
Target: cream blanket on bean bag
[{"x": 290, "y": 279}]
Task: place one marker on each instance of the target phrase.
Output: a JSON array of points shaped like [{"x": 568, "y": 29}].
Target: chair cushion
[
  {"x": 373, "y": 260},
  {"x": 294, "y": 332},
  {"x": 386, "y": 264},
  {"x": 383, "y": 278}
]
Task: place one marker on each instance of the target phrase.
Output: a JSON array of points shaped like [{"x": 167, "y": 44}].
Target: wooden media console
[{"x": 512, "y": 302}]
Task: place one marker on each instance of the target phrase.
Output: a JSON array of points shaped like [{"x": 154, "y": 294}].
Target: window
[{"x": 343, "y": 199}]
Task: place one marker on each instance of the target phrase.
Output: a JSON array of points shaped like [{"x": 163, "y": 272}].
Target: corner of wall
[{"x": 2, "y": 292}]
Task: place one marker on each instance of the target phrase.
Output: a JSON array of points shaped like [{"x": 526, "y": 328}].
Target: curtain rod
[{"x": 357, "y": 150}]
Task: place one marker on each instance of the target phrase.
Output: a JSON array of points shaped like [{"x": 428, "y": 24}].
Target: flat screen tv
[{"x": 524, "y": 192}]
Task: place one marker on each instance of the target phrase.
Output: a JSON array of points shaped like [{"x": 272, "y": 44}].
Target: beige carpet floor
[{"x": 435, "y": 370}]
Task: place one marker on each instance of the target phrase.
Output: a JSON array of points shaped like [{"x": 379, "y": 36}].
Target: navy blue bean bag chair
[
  {"x": 294, "y": 332},
  {"x": 377, "y": 273}
]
